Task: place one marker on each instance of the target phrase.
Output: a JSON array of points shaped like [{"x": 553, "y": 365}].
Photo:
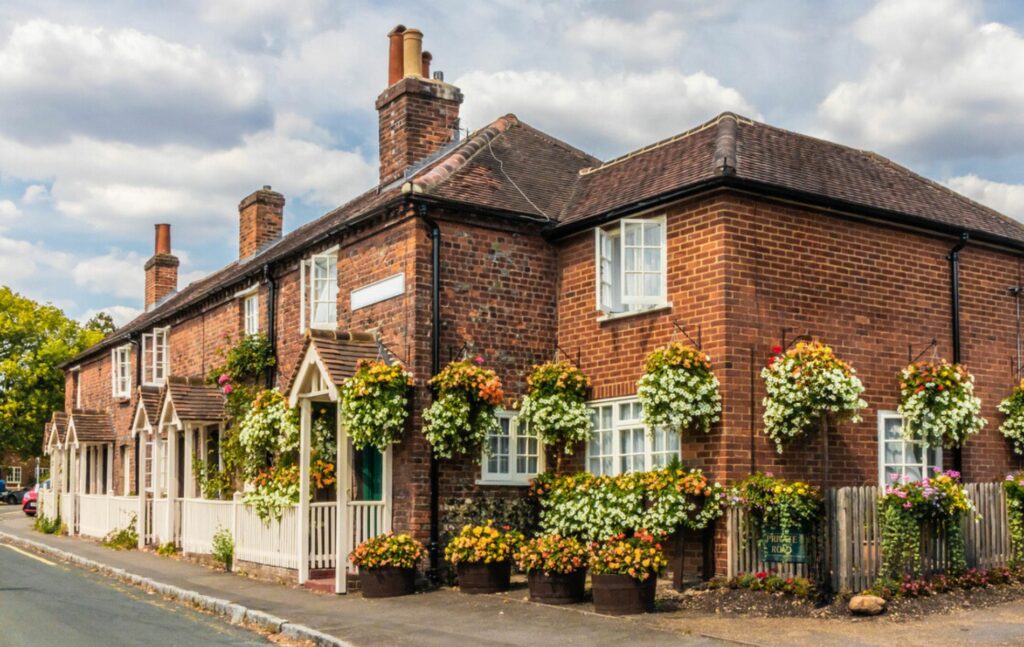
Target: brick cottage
[{"x": 511, "y": 244}]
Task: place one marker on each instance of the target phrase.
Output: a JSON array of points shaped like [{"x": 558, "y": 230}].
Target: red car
[{"x": 30, "y": 502}]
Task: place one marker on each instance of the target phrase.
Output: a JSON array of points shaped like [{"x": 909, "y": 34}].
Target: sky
[{"x": 116, "y": 115}]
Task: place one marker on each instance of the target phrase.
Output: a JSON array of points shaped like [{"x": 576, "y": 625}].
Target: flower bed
[
  {"x": 806, "y": 385},
  {"x": 678, "y": 390},
  {"x": 593, "y": 507},
  {"x": 769, "y": 582},
  {"x": 937, "y": 404}
]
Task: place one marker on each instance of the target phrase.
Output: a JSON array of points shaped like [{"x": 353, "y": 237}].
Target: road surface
[{"x": 43, "y": 602}]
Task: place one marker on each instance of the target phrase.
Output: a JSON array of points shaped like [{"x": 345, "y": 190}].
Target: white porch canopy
[{"x": 327, "y": 359}]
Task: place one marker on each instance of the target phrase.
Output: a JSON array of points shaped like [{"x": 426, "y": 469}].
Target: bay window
[
  {"x": 621, "y": 443},
  {"x": 631, "y": 259}
]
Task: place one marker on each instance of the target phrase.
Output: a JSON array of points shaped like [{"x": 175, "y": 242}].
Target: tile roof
[
  {"x": 736, "y": 147},
  {"x": 339, "y": 352},
  {"x": 149, "y": 400},
  {"x": 56, "y": 428},
  {"x": 194, "y": 400},
  {"x": 92, "y": 426}
]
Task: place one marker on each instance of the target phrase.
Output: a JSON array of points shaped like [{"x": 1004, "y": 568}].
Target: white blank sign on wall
[{"x": 382, "y": 290}]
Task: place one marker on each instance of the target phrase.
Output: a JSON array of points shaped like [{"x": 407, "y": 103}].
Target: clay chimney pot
[
  {"x": 162, "y": 245},
  {"x": 395, "y": 55},
  {"x": 412, "y": 42}
]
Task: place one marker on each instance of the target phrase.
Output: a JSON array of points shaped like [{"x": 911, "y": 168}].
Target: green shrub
[
  {"x": 122, "y": 538},
  {"x": 224, "y": 547},
  {"x": 167, "y": 550},
  {"x": 48, "y": 525}
]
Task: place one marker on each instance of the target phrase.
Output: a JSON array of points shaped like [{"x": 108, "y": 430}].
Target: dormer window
[
  {"x": 121, "y": 371},
  {"x": 319, "y": 278},
  {"x": 631, "y": 264},
  {"x": 155, "y": 357}
]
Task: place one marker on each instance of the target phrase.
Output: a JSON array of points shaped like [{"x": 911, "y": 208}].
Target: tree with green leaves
[{"x": 35, "y": 339}]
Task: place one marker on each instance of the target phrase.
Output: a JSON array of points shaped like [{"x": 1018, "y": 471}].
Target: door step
[{"x": 322, "y": 580}]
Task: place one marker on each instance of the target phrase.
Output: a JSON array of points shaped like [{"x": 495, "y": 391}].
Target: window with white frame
[
  {"x": 13, "y": 476},
  {"x": 513, "y": 456},
  {"x": 318, "y": 276},
  {"x": 251, "y": 314},
  {"x": 121, "y": 371},
  {"x": 621, "y": 443},
  {"x": 902, "y": 459},
  {"x": 155, "y": 356},
  {"x": 631, "y": 259}
]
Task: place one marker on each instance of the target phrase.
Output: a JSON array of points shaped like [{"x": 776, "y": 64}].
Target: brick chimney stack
[
  {"x": 161, "y": 269},
  {"x": 417, "y": 115},
  {"x": 260, "y": 220}
]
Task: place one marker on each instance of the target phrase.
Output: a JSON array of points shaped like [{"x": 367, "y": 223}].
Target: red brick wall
[{"x": 161, "y": 277}]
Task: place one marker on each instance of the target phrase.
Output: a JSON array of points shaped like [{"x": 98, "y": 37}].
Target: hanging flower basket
[
  {"x": 1013, "y": 425},
  {"x": 678, "y": 390},
  {"x": 374, "y": 404},
  {"x": 805, "y": 385},
  {"x": 463, "y": 414},
  {"x": 555, "y": 407},
  {"x": 938, "y": 405}
]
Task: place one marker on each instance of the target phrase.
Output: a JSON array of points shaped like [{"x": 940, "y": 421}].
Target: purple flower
[{"x": 908, "y": 505}]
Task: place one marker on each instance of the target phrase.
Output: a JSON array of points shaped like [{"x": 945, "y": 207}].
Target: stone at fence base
[{"x": 867, "y": 605}]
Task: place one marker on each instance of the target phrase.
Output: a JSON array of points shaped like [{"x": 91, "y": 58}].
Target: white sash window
[
  {"x": 513, "y": 456},
  {"x": 155, "y": 357},
  {"x": 620, "y": 442},
  {"x": 319, "y": 279},
  {"x": 251, "y": 314}
]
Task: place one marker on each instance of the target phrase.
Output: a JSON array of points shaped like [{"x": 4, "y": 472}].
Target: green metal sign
[{"x": 785, "y": 547}]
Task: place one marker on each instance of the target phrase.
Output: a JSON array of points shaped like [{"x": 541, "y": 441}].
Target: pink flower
[
  {"x": 224, "y": 377},
  {"x": 228, "y": 389},
  {"x": 479, "y": 359}
]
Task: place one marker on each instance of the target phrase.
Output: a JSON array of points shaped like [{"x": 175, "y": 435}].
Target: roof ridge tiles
[{"x": 449, "y": 165}]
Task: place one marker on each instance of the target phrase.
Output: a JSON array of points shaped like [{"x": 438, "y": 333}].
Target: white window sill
[
  {"x": 324, "y": 326},
  {"x": 518, "y": 481},
  {"x": 614, "y": 316}
]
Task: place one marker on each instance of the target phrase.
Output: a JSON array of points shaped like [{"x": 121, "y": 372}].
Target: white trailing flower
[
  {"x": 938, "y": 405},
  {"x": 1013, "y": 425},
  {"x": 804, "y": 385},
  {"x": 678, "y": 390}
]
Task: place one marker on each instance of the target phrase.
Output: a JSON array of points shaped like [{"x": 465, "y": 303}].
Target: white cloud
[
  {"x": 1004, "y": 198},
  {"x": 117, "y": 273},
  {"x": 940, "y": 83},
  {"x": 657, "y": 37},
  {"x": 616, "y": 112},
  {"x": 21, "y": 261},
  {"x": 58, "y": 80},
  {"x": 121, "y": 314},
  {"x": 9, "y": 212},
  {"x": 35, "y": 193},
  {"x": 126, "y": 188}
]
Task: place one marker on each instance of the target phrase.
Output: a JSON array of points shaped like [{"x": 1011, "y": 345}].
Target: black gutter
[
  {"x": 954, "y": 293},
  {"x": 435, "y": 368},
  {"x": 271, "y": 321}
]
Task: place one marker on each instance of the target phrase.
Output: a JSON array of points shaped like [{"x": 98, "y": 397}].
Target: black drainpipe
[
  {"x": 271, "y": 321},
  {"x": 954, "y": 287},
  {"x": 435, "y": 368},
  {"x": 133, "y": 338}
]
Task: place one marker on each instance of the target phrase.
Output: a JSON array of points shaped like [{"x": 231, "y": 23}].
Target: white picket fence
[
  {"x": 102, "y": 513},
  {"x": 853, "y": 538},
  {"x": 159, "y": 531},
  {"x": 323, "y": 524},
  {"x": 201, "y": 519},
  {"x": 68, "y": 511},
  {"x": 274, "y": 543}
]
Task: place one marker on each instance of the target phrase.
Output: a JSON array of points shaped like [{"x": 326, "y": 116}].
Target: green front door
[{"x": 368, "y": 469}]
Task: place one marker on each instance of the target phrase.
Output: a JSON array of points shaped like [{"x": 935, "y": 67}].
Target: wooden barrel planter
[
  {"x": 619, "y": 595},
  {"x": 387, "y": 582},
  {"x": 476, "y": 578},
  {"x": 557, "y": 588}
]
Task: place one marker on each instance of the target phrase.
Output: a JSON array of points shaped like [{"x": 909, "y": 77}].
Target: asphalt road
[{"x": 48, "y": 603}]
